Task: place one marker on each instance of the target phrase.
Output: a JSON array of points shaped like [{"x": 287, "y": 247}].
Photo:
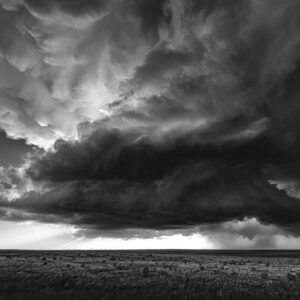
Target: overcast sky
[{"x": 149, "y": 124}]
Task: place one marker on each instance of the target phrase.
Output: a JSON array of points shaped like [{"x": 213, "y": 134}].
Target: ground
[{"x": 149, "y": 275}]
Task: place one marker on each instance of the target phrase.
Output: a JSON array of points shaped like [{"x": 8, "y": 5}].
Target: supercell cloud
[{"x": 160, "y": 116}]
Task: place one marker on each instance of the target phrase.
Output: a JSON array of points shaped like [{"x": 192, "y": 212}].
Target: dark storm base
[{"x": 149, "y": 275}]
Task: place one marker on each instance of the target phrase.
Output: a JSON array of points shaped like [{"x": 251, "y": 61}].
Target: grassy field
[{"x": 149, "y": 275}]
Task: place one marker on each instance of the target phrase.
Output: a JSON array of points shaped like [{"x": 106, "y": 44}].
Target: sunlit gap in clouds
[
  {"x": 35, "y": 235},
  {"x": 177, "y": 241}
]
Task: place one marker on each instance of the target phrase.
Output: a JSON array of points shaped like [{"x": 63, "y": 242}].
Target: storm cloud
[{"x": 153, "y": 115}]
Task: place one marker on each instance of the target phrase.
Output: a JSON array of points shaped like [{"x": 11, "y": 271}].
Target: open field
[{"x": 149, "y": 275}]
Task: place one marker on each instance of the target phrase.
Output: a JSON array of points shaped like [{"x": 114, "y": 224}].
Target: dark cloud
[
  {"x": 151, "y": 13},
  {"x": 206, "y": 193},
  {"x": 110, "y": 153},
  {"x": 160, "y": 64},
  {"x": 13, "y": 151}
]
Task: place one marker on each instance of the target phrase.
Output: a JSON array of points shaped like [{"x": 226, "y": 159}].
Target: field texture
[{"x": 149, "y": 275}]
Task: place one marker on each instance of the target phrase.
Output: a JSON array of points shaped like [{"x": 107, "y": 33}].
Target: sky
[{"x": 137, "y": 124}]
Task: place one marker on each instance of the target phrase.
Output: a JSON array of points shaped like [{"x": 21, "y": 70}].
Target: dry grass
[{"x": 141, "y": 275}]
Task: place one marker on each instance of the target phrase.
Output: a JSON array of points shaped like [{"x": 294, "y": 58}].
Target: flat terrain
[{"x": 149, "y": 275}]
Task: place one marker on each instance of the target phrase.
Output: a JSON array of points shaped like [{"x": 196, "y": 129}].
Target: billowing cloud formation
[
  {"x": 62, "y": 61},
  {"x": 162, "y": 115}
]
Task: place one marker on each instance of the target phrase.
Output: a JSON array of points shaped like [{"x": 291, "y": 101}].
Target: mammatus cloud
[{"x": 161, "y": 115}]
